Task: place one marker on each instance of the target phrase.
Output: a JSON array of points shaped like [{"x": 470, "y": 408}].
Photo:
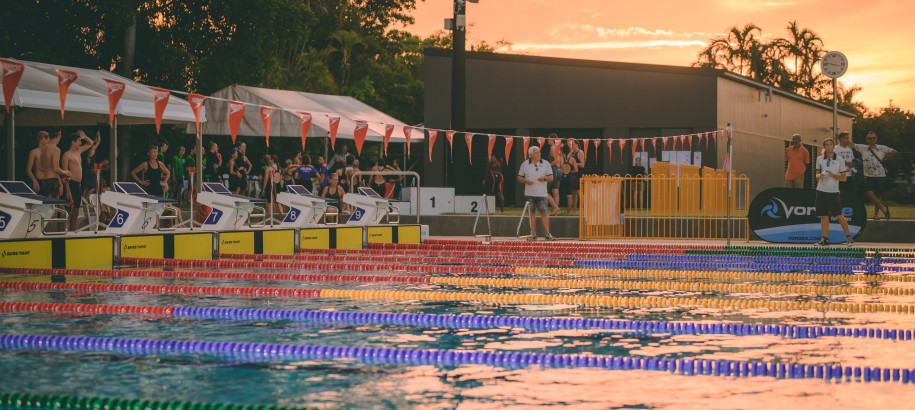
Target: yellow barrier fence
[{"x": 674, "y": 202}]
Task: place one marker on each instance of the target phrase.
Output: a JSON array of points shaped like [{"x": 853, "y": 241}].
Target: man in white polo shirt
[
  {"x": 535, "y": 174},
  {"x": 830, "y": 171}
]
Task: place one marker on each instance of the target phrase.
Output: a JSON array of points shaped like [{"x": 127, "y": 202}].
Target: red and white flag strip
[
  {"x": 362, "y": 128},
  {"x": 305, "y": 119},
  {"x": 12, "y": 73},
  {"x": 266, "y": 114},
  {"x": 64, "y": 79},
  {"x": 115, "y": 91},
  {"x": 388, "y": 130},
  {"x": 449, "y": 135},
  {"x": 468, "y": 138},
  {"x": 610, "y": 147},
  {"x": 333, "y": 123},
  {"x": 432, "y": 134},
  {"x": 491, "y": 143},
  {"x": 196, "y": 103},
  {"x": 408, "y": 133},
  {"x": 236, "y": 113},
  {"x": 160, "y": 101},
  {"x": 509, "y": 140},
  {"x": 526, "y": 142}
]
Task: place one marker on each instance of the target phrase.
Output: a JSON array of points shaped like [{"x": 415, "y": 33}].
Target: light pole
[{"x": 458, "y": 26}]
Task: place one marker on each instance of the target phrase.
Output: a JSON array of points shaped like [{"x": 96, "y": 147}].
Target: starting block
[
  {"x": 23, "y": 214},
  {"x": 370, "y": 208},
  {"x": 138, "y": 212},
  {"x": 305, "y": 209},
  {"x": 229, "y": 212}
]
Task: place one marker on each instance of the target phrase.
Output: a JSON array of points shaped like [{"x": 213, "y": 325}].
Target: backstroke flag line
[
  {"x": 432, "y": 135},
  {"x": 359, "y": 135},
  {"x": 115, "y": 91},
  {"x": 64, "y": 79},
  {"x": 160, "y": 101},
  {"x": 12, "y": 73},
  {"x": 196, "y": 102},
  {"x": 305, "y": 118},
  {"x": 236, "y": 113},
  {"x": 266, "y": 114}
]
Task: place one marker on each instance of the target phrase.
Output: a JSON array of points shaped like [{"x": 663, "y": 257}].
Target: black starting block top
[
  {"x": 369, "y": 192},
  {"x": 217, "y": 188},
  {"x": 300, "y": 190},
  {"x": 134, "y": 189},
  {"x": 20, "y": 189}
]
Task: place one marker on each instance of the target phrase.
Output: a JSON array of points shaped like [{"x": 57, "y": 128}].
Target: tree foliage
[{"x": 790, "y": 63}]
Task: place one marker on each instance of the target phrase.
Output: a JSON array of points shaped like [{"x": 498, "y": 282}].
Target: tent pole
[
  {"x": 11, "y": 145},
  {"x": 113, "y": 154},
  {"x": 198, "y": 178}
]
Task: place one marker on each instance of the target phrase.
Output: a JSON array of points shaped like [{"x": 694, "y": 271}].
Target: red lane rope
[
  {"x": 492, "y": 253},
  {"x": 162, "y": 289},
  {"x": 660, "y": 249},
  {"x": 566, "y": 244},
  {"x": 9, "y": 307},
  {"x": 399, "y": 259},
  {"x": 125, "y": 273},
  {"x": 331, "y": 266}
]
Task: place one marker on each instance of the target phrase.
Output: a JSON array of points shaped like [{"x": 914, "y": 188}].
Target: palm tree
[
  {"x": 739, "y": 51},
  {"x": 805, "y": 47},
  {"x": 344, "y": 42}
]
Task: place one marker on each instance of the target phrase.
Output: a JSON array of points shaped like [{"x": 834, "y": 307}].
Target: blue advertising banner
[{"x": 785, "y": 215}]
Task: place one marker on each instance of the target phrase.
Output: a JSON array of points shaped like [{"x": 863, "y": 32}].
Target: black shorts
[
  {"x": 828, "y": 204},
  {"x": 76, "y": 194},
  {"x": 847, "y": 186},
  {"x": 573, "y": 181},
  {"x": 876, "y": 184}
]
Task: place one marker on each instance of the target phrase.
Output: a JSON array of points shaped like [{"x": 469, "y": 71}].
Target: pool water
[{"x": 347, "y": 382}]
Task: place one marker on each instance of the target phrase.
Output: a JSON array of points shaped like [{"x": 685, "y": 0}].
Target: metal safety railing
[
  {"x": 355, "y": 174},
  {"x": 485, "y": 208},
  {"x": 526, "y": 211},
  {"x": 674, "y": 202}
]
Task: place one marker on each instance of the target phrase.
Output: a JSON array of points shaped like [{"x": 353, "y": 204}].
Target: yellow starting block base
[
  {"x": 189, "y": 245},
  {"x": 58, "y": 253}
]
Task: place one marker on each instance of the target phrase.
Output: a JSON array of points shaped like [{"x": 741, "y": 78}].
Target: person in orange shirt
[{"x": 798, "y": 157}]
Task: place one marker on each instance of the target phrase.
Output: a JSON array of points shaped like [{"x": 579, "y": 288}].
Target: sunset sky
[{"x": 877, "y": 36}]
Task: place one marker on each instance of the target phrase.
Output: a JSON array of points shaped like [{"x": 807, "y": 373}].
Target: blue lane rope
[
  {"x": 770, "y": 259},
  {"x": 756, "y": 267},
  {"x": 271, "y": 352},
  {"x": 540, "y": 324}
]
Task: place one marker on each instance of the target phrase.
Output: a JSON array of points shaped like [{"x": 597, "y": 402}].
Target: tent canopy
[
  {"x": 285, "y": 122},
  {"x": 37, "y": 99}
]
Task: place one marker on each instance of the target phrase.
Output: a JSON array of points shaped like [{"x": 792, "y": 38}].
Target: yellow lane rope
[
  {"x": 615, "y": 301},
  {"x": 717, "y": 275},
  {"x": 672, "y": 286}
]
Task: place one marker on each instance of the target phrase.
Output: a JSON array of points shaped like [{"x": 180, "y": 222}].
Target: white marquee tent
[
  {"x": 285, "y": 121},
  {"x": 36, "y": 102}
]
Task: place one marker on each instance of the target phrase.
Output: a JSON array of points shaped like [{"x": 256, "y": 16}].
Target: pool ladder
[
  {"x": 485, "y": 208},
  {"x": 531, "y": 237}
]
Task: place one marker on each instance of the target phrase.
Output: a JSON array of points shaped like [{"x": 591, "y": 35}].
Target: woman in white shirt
[{"x": 830, "y": 171}]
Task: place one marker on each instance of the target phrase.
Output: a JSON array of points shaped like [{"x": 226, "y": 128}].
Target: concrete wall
[{"x": 761, "y": 128}]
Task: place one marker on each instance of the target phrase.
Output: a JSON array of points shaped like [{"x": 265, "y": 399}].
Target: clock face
[{"x": 834, "y": 64}]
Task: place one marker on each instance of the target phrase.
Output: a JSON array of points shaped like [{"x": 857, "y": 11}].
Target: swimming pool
[{"x": 425, "y": 331}]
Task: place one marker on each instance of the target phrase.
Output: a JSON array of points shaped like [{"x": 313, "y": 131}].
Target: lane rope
[
  {"x": 452, "y": 357},
  {"x": 493, "y": 298},
  {"x": 463, "y": 321}
]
